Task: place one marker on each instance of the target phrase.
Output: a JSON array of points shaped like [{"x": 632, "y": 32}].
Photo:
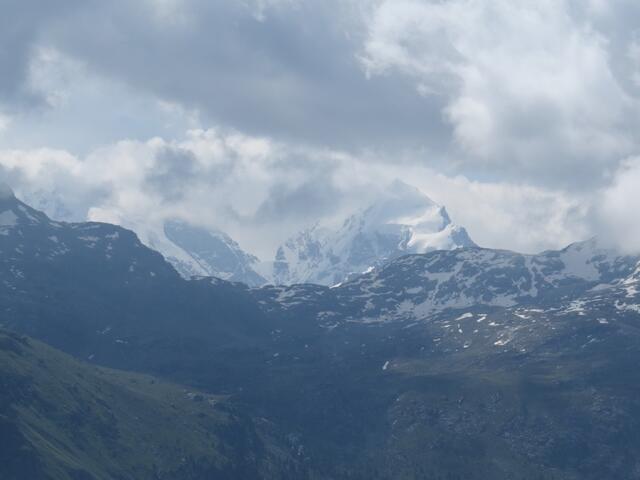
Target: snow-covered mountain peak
[
  {"x": 401, "y": 220},
  {"x": 196, "y": 250}
]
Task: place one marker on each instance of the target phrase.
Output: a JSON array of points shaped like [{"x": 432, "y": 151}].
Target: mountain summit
[{"x": 403, "y": 220}]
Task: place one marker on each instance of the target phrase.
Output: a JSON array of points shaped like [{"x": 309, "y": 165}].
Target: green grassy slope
[{"x": 63, "y": 419}]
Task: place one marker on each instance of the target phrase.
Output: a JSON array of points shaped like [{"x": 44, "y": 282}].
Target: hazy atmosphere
[{"x": 262, "y": 117}]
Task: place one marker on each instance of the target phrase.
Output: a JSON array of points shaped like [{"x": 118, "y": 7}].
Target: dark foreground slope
[{"x": 62, "y": 419}]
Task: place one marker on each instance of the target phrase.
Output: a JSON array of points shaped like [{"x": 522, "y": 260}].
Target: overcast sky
[{"x": 262, "y": 116}]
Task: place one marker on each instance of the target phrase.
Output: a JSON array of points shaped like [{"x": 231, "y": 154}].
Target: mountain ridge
[
  {"x": 501, "y": 359},
  {"x": 402, "y": 220}
]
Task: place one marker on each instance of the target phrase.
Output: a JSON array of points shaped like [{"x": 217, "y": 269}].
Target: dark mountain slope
[
  {"x": 95, "y": 291},
  {"x": 62, "y": 419}
]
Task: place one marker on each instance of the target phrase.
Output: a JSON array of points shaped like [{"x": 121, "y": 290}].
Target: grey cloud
[
  {"x": 293, "y": 71},
  {"x": 311, "y": 200},
  {"x": 174, "y": 170},
  {"x": 537, "y": 92},
  {"x": 22, "y": 25},
  {"x": 617, "y": 22},
  {"x": 294, "y": 74}
]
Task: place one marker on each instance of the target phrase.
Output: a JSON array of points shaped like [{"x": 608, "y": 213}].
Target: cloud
[
  {"x": 285, "y": 69},
  {"x": 517, "y": 115},
  {"x": 512, "y": 215},
  {"x": 616, "y": 210},
  {"x": 216, "y": 178},
  {"x": 526, "y": 91},
  {"x": 262, "y": 191},
  {"x": 21, "y": 26},
  {"x": 52, "y": 180},
  {"x": 313, "y": 199},
  {"x": 79, "y": 110},
  {"x": 530, "y": 87},
  {"x": 5, "y": 121},
  {"x": 174, "y": 170},
  {"x": 633, "y": 53}
]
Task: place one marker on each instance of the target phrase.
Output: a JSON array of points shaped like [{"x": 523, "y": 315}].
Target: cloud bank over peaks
[
  {"x": 518, "y": 116},
  {"x": 260, "y": 191}
]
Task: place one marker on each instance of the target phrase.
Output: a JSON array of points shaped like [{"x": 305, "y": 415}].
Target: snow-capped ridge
[
  {"x": 416, "y": 287},
  {"x": 402, "y": 220},
  {"x": 199, "y": 251}
]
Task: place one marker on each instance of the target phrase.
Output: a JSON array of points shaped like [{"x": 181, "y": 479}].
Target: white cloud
[
  {"x": 530, "y": 90},
  {"x": 261, "y": 191},
  {"x": 211, "y": 177},
  {"x": 52, "y": 75},
  {"x": 37, "y": 165},
  {"x": 616, "y": 211}
]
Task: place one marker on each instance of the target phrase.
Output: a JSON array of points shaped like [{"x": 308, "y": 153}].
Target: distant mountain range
[
  {"x": 465, "y": 363},
  {"x": 401, "y": 221}
]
